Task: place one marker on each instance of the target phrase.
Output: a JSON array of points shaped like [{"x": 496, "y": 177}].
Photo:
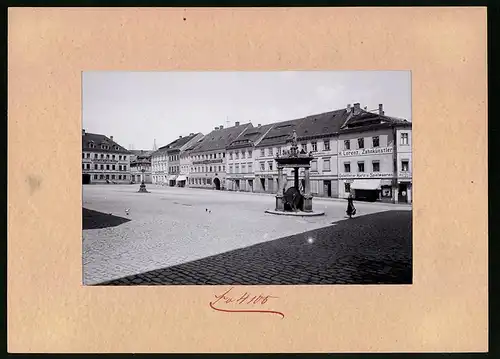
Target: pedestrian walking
[{"x": 351, "y": 210}]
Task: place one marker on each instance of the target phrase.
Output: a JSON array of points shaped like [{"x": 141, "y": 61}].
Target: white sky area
[{"x": 139, "y": 107}]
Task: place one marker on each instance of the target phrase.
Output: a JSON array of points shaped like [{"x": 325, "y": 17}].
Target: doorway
[
  {"x": 85, "y": 178},
  {"x": 237, "y": 185},
  {"x": 217, "y": 183},
  {"x": 327, "y": 188},
  {"x": 263, "y": 183},
  {"x": 403, "y": 193},
  {"x": 250, "y": 185}
]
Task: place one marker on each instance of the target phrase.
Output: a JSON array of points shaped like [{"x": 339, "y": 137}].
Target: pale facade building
[
  {"x": 104, "y": 160},
  {"x": 140, "y": 159}
]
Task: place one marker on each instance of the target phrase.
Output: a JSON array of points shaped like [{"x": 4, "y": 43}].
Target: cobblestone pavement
[
  {"x": 173, "y": 226},
  {"x": 373, "y": 249}
]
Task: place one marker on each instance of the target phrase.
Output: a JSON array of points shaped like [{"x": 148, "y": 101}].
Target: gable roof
[
  {"x": 365, "y": 118},
  {"x": 219, "y": 139},
  {"x": 98, "y": 141},
  {"x": 323, "y": 124}
]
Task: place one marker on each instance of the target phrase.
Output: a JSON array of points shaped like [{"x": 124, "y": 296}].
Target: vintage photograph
[{"x": 250, "y": 178}]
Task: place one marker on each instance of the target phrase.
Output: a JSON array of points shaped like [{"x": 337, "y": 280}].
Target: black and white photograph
[{"x": 246, "y": 178}]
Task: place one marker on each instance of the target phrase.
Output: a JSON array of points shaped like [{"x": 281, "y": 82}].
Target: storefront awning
[
  {"x": 171, "y": 178},
  {"x": 368, "y": 184},
  {"x": 181, "y": 178}
]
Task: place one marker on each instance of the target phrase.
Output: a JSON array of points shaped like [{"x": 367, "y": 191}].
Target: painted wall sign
[
  {"x": 404, "y": 174},
  {"x": 366, "y": 151},
  {"x": 207, "y": 161},
  {"x": 367, "y": 175}
]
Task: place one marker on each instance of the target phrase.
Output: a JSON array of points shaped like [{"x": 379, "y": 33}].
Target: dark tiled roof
[
  {"x": 365, "y": 118},
  {"x": 219, "y": 139},
  {"x": 249, "y": 137},
  {"x": 310, "y": 126},
  {"x": 99, "y": 140},
  {"x": 178, "y": 143}
]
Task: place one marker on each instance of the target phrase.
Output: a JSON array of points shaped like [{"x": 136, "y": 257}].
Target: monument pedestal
[
  {"x": 308, "y": 204},
  {"x": 142, "y": 188},
  {"x": 280, "y": 206}
]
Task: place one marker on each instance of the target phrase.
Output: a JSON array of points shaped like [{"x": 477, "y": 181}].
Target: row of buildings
[{"x": 366, "y": 153}]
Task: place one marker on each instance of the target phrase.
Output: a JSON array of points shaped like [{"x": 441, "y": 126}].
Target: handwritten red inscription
[{"x": 246, "y": 303}]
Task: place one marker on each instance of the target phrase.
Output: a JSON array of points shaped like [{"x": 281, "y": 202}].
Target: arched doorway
[
  {"x": 85, "y": 178},
  {"x": 217, "y": 183}
]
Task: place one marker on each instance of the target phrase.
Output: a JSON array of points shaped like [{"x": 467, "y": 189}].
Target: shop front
[
  {"x": 171, "y": 180},
  {"x": 366, "y": 189},
  {"x": 181, "y": 181}
]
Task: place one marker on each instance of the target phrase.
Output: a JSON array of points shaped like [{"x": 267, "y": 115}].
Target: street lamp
[{"x": 142, "y": 187}]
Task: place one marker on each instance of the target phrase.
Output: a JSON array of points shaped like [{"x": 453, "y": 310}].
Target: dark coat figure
[{"x": 351, "y": 210}]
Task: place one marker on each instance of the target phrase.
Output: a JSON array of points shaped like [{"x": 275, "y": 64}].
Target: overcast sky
[{"x": 139, "y": 107}]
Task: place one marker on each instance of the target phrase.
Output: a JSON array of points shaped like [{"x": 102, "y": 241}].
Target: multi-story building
[
  {"x": 104, "y": 160},
  {"x": 240, "y": 173},
  {"x": 174, "y": 152},
  {"x": 375, "y": 156},
  {"x": 139, "y": 160},
  {"x": 316, "y": 134},
  {"x": 159, "y": 166},
  {"x": 208, "y": 157}
]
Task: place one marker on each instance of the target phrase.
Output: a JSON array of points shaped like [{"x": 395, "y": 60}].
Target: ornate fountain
[{"x": 293, "y": 201}]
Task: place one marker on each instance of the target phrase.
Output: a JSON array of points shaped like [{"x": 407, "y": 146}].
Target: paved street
[{"x": 189, "y": 236}]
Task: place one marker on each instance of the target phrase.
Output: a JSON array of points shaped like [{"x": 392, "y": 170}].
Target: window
[
  {"x": 102, "y": 167},
  {"x": 249, "y": 153},
  {"x": 88, "y": 155},
  {"x": 347, "y": 187},
  {"x": 262, "y": 154},
  {"x": 314, "y": 146},
  {"x": 303, "y": 146},
  {"x": 270, "y": 164},
  {"x": 83, "y": 166},
  {"x": 112, "y": 176},
  {"x": 361, "y": 143},
  {"x": 102, "y": 155},
  {"x": 404, "y": 138},
  {"x": 95, "y": 176},
  {"x": 96, "y": 155},
  {"x": 361, "y": 167},
  {"x": 88, "y": 166},
  {"x": 124, "y": 157},
  {"x": 347, "y": 144},
  {"x": 101, "y": 177},
  {"x": 230, "y": 169},
  {"x": 107, "y": 176},
  {"x": 120, "y": 157},
  {"x": 326, "y": 145},
  {"x": 262, "y": 166},
  {"x": 242, "y": 154},
  {"x": 210, "y": 169},
  {"x": 243, "y": 168},
  {"x": 326, "y": 165},
  {"x": 124, "y": 168},
  {"x": 314, "y": 166},
  {"x": 376, "y": 166},
  {"x": 223, "y": 154},
  {"x": 237, "y": 169},
  {"x": 376, "y": 141},
  {"x": 250, "y": 167},
  {"x": 269, "y": 151},
  {"x": 107, "y": 156},
  {"x": 236, "y": 155},
  {"x": 405, "y": 166},
  {"x": 96, "y": 167},
  {"x": 114, "y": 167},
  {"x": 113, "y": 157}
]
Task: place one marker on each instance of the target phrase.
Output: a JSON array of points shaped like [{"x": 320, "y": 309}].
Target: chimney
[
  {"x": 83, "y": 132},
  {"x": 180, "y": 136},
  {"x": 357, "y": 108},
  {"x": 380, "y": 109},
  {"x": 259, "y": 125},
  {"x": 221, "y": 127},
  {"x": 191, "y": 134},
  {"x": 237, "y": 123},
  {"x": 216, "y": 128},
  {"x": 111, "y": 138}
]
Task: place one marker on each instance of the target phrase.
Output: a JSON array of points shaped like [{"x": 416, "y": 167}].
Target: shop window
[
  {"x": 326, "y": 145},
  {"x": 347, "y": 144},
  {"x": 376, "y": 141},
  {"x": 376, "y": 166},
  {"x": 361, "y": 143},
  {"x": 361, "y": 167},
  {"x": 405, "y": 166},
  {"x": 347, "y": 167}
]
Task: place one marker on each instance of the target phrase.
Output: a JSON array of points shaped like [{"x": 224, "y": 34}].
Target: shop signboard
[
  {"x": 366, "y": 151},
  {"x": 366, "y": 175}
]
